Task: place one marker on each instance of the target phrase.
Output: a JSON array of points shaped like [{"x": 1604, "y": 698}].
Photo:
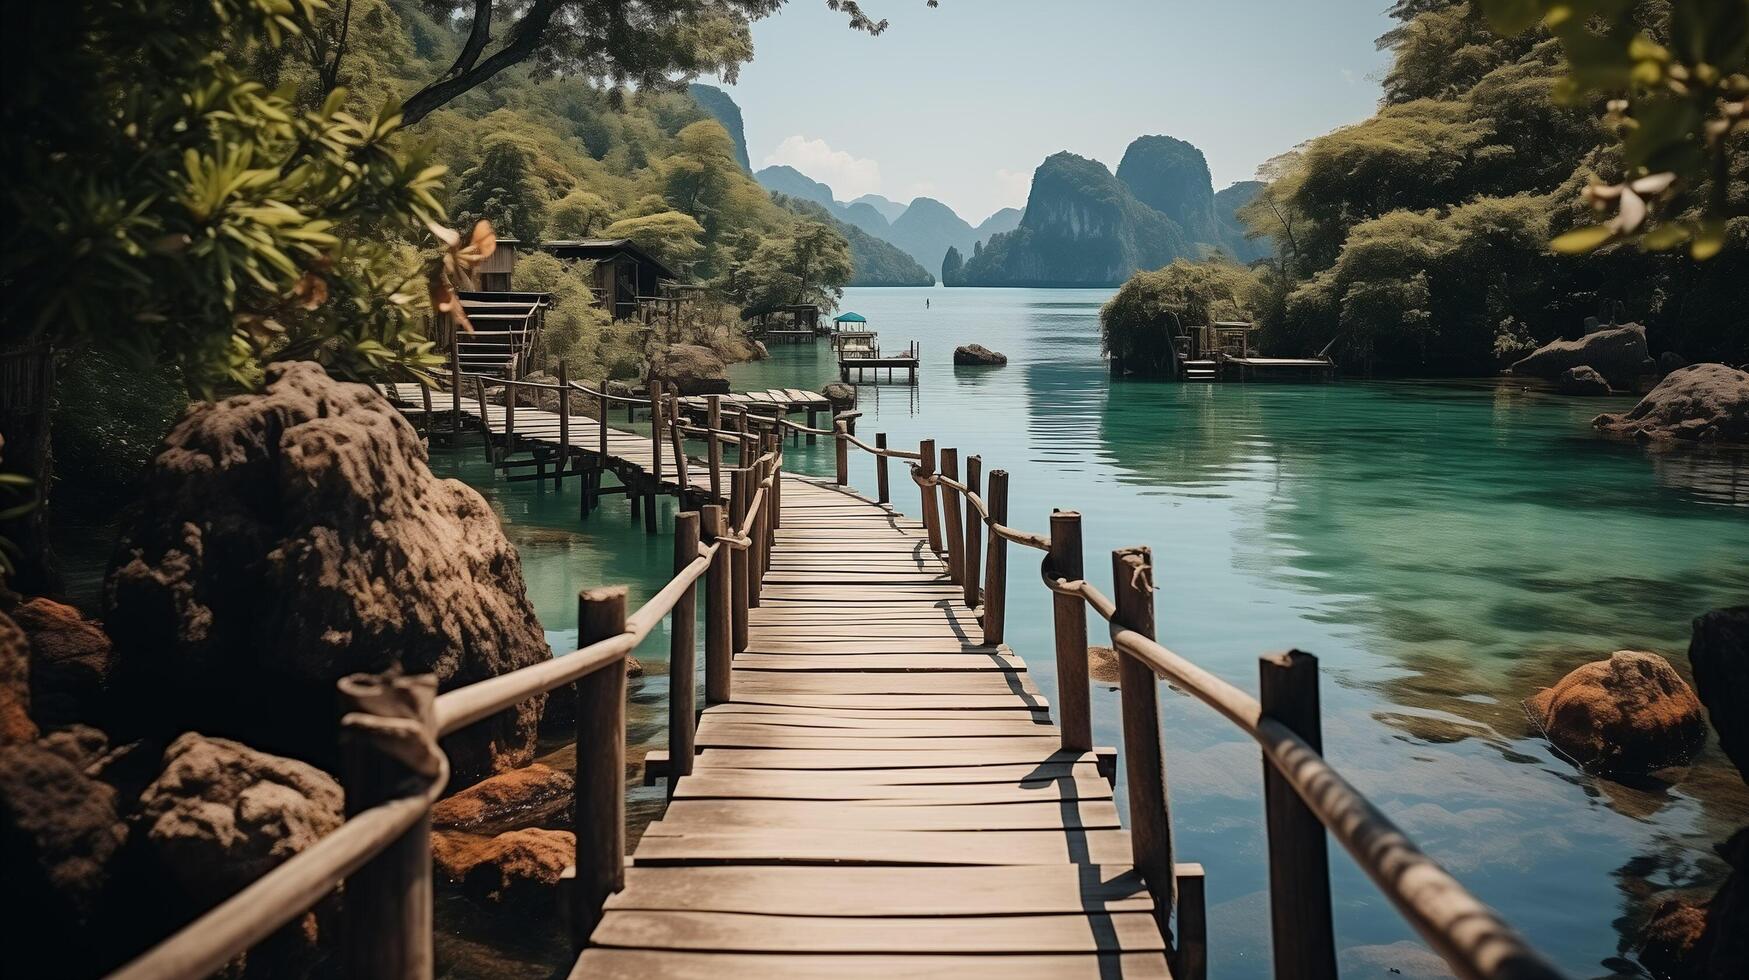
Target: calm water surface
[{"x": 1444, "y": 548}]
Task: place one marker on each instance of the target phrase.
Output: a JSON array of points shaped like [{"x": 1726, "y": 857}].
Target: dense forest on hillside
[{"x": 1419, "y": 239}]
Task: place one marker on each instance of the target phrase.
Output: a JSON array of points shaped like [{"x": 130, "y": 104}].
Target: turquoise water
[{"x": 1444, "y": 548}]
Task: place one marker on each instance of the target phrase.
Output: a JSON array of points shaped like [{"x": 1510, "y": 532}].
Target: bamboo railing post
[
  {"x": 996, "y": 563},
  {"x": 886, "y": 496},
  {"x": 1144, "y": 764},
  {"x": 776, "y": 495},
  {"x": 970, "y": 556},
  {"x": 677, "y": 441},
  {"x": 600, "y": 818},
  {"x": 1069, "y": 615},
  {"x": 1299, "y": 861},
  {"x": 738, "y": 561},
  {"x": 714, "y": 445},
  {"x": 950, "y": 514},
  {"x": 682, "y": 655},
  {"x": 926, "y": 467},
  {"x": 718, "y": 619},
  {"x": 755, "y": 537},
  {"x": 841, "y": 436},
  {"x": 564, "y": 428},
  {"x": 386, "y": 932}
]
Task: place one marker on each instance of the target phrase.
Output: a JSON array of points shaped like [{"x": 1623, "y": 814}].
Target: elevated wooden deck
[{"x": 883, "y": 795}]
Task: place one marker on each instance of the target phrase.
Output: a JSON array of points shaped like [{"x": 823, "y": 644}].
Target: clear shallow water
[{"x": 1444, "y": 548}]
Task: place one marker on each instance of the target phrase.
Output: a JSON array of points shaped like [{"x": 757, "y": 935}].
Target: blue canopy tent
[{"x": 850, "y": 318}]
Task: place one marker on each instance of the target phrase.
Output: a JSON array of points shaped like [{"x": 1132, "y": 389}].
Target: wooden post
[
  {"x": 776, "y": 495},
  {"x": 682, "y": 652},
  {"x": 1299, "y": 861},
  {"x": 601, "y": 425},
  {"x": 564, "y": 427},
  {"x": 509, "y": 420},
  {"x": 1069, "y": 613},
  {"x": 970, "y": 562},
  {"x": 841, "y": 436},
  {"x": 656, "y": 438},
  {"x": 386, "y": 932},
  {"x": 600, "y": 821},
  {"x": 756, "y": 536},
  {"x": 931, "y": 521},
  {"x": 677, "y": 440},
  {"x": 951, "y": 533},
  {"x": 485, "y": 421},
  {"x": 996, "y": 565},
  {"x": 1144, "y": 764},
  {"x": 738, "y": 560},
  {"x": 455, "y": 390},
  {"x": 1190, "y": 960},
  {"x": 718, "y": 619},
  {"x": 886, "y": 496},
  {"x": 714, "y": 451}
]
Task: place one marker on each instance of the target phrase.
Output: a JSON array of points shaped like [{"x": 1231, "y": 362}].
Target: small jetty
[
  {"x": 1222, "y": 351},
  {"x": 868, "y": 362}
]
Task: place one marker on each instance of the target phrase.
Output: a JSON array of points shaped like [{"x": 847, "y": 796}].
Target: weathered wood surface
[{"x": 883, "y": 794}]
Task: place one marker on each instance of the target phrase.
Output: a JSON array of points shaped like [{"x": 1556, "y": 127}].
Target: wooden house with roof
[{"x": 624, "y": 273}]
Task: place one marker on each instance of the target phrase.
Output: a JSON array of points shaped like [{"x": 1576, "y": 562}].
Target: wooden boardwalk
[{"x": 883, "y": 794}]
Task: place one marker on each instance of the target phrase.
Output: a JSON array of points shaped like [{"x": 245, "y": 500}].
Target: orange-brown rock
[
  {"x": 535, "y": 795},
  {"x": 16, "y": 726},
  {"x": 520, "y": 868},
  {"x": 1629, "y": 714},
  {"x": 69, "y": 663}
]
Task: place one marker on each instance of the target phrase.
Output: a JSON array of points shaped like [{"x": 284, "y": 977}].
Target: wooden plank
[
  {"x": 904, "y": 847},
  {"x": 893, "y": 758},
  {"x": 731, "y": 785},
  {"x": 885, "y": 891},
  {"x": 754, "y": 683},
  {"x": 628, "y": 964},
  {"x": 874, "y": 663},
  {"x": 764, "y": 738},
  {"x": 693, "y": 816}
]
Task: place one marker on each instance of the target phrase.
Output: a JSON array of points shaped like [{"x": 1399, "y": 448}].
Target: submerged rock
[
  {"x": 841, "y": 395},
  {"x": 977, "y": 355},
  {"x": 295, "y": 536},
  {"x": 69, "y": 663},
  {"x": 521, "y": 868},
  {"x": 534, "y": 794},
  {"x": 1701, "y": 402},
  {"x": 221, "y": 814},
  {"x": 1617, "y": 353},
  {"x": 1626, "y": 715},
  {"x": 694, "y": 369},
  {"x": 1582, "y": 380}
]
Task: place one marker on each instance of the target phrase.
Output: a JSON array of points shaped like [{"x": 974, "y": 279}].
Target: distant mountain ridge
[
  {"x": 724, "y": 110},
  {"x": 1086, "y": 226},
  {"x": 877, "y": 262}
]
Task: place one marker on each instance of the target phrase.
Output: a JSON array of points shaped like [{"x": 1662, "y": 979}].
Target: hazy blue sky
[{"x": 962, "y": 102}]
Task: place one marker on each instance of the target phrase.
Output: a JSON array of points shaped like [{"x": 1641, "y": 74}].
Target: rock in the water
[
  {"x": 293, "y": 537},
  {"x": 634, "y": 667},
  {"x": 1718, "y": 652},
  {"x": 532, "y": 795},
  {"x": 1670, "y": 936},
  {"x": 841, "y": 395},
  {"x": 694, "y": 369},
  {"x": 1102, "y": 665},
  {"x": 760, "y": 351},
  {"x": 1670, "y": 361},
  {"x": 1617, "y": 353},
  {"x": 520, "y": 868},
  {"x": 16, "y": 726},
  {"x": 1626, "y": 715},
  {"x": 1701, "y": 402},
  {"x": 221, "y": 814},
  {"x": 69, "y": 663},
  {"x": 1582, "y": 380},
  {"x": 60, "y": 836},
  {"x": 978, "y": 355}
]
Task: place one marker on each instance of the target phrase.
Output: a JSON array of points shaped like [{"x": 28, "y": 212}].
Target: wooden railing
[
  {"x": 1305, "y": 797},
  {"x": 393, "y": 770}
]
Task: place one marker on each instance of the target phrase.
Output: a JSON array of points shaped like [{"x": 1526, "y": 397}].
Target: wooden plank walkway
[{"x": 883, "y": 795}]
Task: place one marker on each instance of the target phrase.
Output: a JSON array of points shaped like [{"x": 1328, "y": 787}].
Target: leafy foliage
[
  {"x": 1137, "y": 324},
  {"x": 162, "y": 203}
]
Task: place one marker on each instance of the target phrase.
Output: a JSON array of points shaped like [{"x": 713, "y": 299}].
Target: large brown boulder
[
  {"x": 16, "y": 726},
  {"x": 532, "y": 795},
  {"x": 1582, "y": 380},
  {"x": 841, "y": 395},
  {"x": 69, "y": 663},
  {"x": 221, "y": 814},
  {"x": 295, "y": 536},
  {"x": 521, "y": 868},
  {"x": 1617, "y": 353},
  {"x": 694, "y": 369},
  {"x": 1701, "y": 402},
  {"x": 1626, "y": 715},
  {"x": 60, "y": 838}
]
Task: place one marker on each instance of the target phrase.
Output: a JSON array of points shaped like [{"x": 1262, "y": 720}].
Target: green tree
[
  {"x": 1137, "y": 324},
  {"x": 499, "y": 189},
  {"x": 668, "y": 235},
  {"x": 162, "y": 205},
  {"x": 579, "y": 214}
]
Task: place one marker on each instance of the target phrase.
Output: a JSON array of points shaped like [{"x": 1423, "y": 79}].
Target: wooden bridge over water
[{"x": 871, "y": 784}]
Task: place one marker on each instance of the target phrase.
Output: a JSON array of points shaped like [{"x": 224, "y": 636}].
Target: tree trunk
[{"x": 26, "y": 396}]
